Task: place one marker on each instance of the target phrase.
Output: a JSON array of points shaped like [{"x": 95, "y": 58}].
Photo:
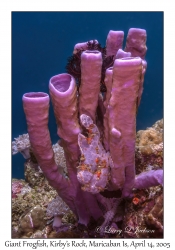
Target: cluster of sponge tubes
[{"x": 124, "y": 83}]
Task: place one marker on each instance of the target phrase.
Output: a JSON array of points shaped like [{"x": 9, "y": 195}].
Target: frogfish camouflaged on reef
[{"x": 93, "y": 170}]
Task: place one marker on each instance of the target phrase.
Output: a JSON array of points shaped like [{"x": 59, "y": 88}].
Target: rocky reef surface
[{"x": 38, "y": 211}]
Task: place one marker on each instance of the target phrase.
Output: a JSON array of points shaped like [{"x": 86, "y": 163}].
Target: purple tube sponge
[
  {"x": 121, "y": 54},
  {"x": 136, "y": 42},
  {"x": 36, "y": 107},
  {"x": 108, "y": 83},
  {"x": 91, "y": 66},
  {"x": 149, "y": 179},
  {"x": 122, "y": 120},
  {"x": 63, "y": 91},
  {"x": 114, "y": 42},
  {"x": 97, "y": 126}
]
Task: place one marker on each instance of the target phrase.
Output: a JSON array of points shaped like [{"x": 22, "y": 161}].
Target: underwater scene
[{"x": 87, "y": 125}]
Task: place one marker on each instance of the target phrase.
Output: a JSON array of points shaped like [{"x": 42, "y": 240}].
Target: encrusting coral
[
  {"x": 97, "y": 125},
  {"x": 21, "y": 145},
  {"x": 149, "y": 148}
]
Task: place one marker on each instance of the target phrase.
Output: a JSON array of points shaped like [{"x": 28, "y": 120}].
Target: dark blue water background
[{"x": 42, "y": 42}]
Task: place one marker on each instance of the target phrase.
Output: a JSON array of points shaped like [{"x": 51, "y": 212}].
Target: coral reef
[
  {"x": 57, "y": 208},
  {"x": 144, "y": 214},
  {"x": 149, "y": 148},
  {"x": 32, "y": 221},
  {"x": 26, "y": 207},
  {"x": 32, "y": 204},
  {"x": 21, "y": 145},
  {"x": 93, "y": 169},
  {"x": 138, "y": 217}
]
